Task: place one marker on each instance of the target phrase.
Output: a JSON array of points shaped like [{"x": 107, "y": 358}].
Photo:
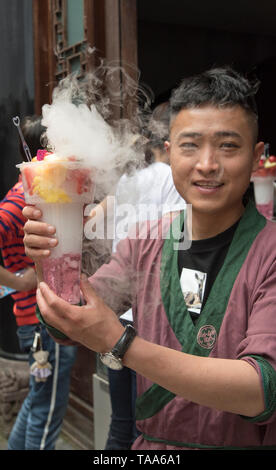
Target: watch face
[{"x": 110, "y": 361}]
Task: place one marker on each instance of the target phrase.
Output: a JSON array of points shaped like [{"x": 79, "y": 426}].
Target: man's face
[{"x": 212, "y": 156}]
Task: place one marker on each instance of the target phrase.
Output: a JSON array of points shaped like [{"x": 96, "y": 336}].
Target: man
[{"x": 205, "y": 369}]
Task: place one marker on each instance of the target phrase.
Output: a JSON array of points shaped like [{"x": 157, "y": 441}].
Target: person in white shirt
[{"x": 147, "y": 194}]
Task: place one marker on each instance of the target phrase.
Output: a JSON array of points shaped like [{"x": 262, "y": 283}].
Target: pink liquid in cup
[
  {"x": 266, "y": 209},
  {"x": 63, "y": 276}
]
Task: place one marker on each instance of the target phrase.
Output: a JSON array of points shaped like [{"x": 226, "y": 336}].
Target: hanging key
[{"x": 36, "y": 342}]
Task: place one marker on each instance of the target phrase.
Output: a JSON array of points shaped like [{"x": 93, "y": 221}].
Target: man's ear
[
  {"x": 258, "y": 151},
  {"x": 167, "y": 146}
]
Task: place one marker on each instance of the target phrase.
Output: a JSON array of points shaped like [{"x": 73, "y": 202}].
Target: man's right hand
[{"x": 38, "y": 239}]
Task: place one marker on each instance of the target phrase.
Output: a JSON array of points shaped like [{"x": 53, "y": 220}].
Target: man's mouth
[{"x": 208, "y": 184}]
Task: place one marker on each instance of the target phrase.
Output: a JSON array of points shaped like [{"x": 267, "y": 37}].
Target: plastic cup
[
  {"x": 264, "y": 195},
  {"x": 60, "y": 189}
]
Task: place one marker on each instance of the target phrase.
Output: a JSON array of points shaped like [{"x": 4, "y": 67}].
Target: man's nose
[{"x": 207, "y": 161}]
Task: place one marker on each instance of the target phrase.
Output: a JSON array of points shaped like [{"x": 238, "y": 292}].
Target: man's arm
[
  {"x": 229, "y": 385},
  {"x": 224, "y": 384},
  {"x": 23, "y": 282}
]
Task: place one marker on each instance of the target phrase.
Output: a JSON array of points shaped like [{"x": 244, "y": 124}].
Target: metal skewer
[{"x": 26, "y": 149}]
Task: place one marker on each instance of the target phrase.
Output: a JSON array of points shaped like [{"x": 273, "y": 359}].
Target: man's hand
[
  {"x": 94, "y": 325},
  {"x": 38, "y": 239}
]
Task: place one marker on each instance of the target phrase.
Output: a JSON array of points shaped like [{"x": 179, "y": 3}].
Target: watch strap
[{"x": 124, "y": 342}]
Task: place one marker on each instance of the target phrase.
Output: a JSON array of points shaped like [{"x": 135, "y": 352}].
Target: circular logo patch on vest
[{"x": 207, "y": 336}]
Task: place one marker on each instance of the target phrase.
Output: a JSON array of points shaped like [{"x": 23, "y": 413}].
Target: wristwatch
[{"x": 113, "y": 359}]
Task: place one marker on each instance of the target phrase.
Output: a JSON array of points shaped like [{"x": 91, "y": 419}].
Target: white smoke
[{"x": 78, "y": 123}]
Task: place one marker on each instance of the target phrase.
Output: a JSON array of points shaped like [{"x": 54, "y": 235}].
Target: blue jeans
[
  {"x": 40, "y": 418},
  {"x": 122, "y": 431}
]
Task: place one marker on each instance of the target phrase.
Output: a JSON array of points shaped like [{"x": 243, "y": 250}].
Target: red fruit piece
[
  {"x": 28, "y": 175},
  {"x": 41, "y": 154},
  {"x": 81, "y": 177},
  {"x": 272, "y": 171}
]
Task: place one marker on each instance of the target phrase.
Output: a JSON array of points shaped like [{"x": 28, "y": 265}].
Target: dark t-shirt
[{"x": 199, "y": 266}]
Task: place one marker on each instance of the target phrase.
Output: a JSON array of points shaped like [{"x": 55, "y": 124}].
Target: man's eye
[
  {"x": 229, "y": 145},
  {"x": 188, "y": 145}
]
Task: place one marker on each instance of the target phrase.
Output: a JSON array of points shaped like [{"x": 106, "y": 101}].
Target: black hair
[
  {"x": 158, "y": 129},
  {"x": 32, "y": 131},
  {"x": 218, "y": 87}
]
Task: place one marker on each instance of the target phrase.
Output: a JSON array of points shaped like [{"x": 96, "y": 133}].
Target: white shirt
[{"x": 146, "y": 195}]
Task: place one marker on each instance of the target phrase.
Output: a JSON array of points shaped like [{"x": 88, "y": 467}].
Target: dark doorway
[{"x": 180, "y": 38}]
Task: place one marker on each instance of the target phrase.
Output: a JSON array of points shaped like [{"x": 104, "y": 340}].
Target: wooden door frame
[
  {"x": 109, "y": 25},
  {"x": 44, "y": 58}
]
